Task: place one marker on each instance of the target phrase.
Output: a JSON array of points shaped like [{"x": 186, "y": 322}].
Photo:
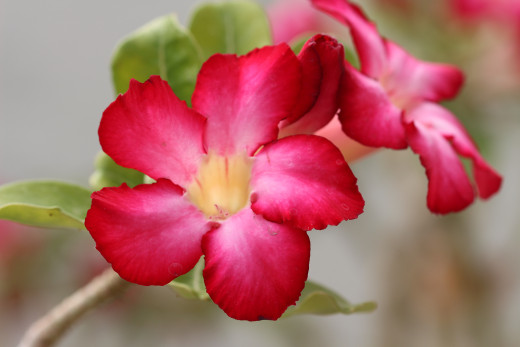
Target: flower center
[{"x": 221, "y": 187}]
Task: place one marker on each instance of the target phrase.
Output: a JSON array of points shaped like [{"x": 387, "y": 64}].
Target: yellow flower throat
[{"x": 221, "y": 186}]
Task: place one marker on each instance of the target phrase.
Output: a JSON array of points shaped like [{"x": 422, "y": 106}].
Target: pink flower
[
  {"x": 293, "y": 19},
  {"x": 502, "y": 11},
  {"x": 392, "y": 102},
  {"x": 225, "y": 187},
  {"x": 469, "y": 9}
]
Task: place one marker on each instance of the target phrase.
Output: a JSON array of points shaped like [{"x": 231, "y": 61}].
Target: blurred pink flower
[
  {"x": 393, "y": 102},
  {"x": 293, "y": 19},
  {"x": 504, "y": 11}
]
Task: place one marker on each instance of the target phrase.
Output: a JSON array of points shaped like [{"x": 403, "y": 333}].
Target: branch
[{"x": 48, "y": 329}]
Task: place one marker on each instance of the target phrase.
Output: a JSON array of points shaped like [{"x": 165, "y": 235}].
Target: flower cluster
[{"x": 240, "y": 177}]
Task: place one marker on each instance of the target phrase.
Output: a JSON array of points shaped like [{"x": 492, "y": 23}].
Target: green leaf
[
  {"x": 191, "y": 285},
  {"x": 47, "y": 204},
  {"x": 109, "y": 174},
  {"x": 316, "y": 299},
  {"x": 162, "y": 47},
  {"x": 351, "y": 57},
  {"x": 230, "y": 27},
  {"x": 298, "y": 43}
]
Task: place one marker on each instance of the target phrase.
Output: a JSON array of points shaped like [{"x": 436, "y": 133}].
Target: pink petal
[
  {"x": 330, "y": 56},
  {"x": 303, "y": 180},
  {"x": 449, "y": 188},
  {"x": 351, "y": 149},
  {"x": 244, "y": 98},
  {"x": 368, "y": 42},
  {"x": 150, "y": 234},
  {"x": 488, "y": 180},
  {"x": 408, "y": 79},
  {"x": 405, "y": 78},
  {"x": 255, "y": 269},
  {"x": 471, "y": 9},
  {"x": 149, "y": 129},
  {"x": 367, "y": 114},
  {"x": 439, "y": 119},
  {"x": 292, "y": 18},
  {"x": 312, "y": 75}
]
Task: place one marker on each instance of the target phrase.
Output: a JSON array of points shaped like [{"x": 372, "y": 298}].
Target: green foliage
[
  {"x": 109, "y": 174},
  {"x": 298, "y": 43},
  {"x": 230, "y": 27},
  {"x": 316, "y": 299},
  {"x": 162, "y": 47},
  {"x": 46, "y": 204},
  {"x": 191, "y": 285}
]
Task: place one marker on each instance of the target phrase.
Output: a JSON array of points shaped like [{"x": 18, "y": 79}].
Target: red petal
[
  {"x": 255, "y": 269},
  {"x": 303, "y": 180},
  {"x": 488, "y": 180},
  {"x": 409, "y": 79},
  {"x": 150, "y": 234},
  {"x": 449, "y": 188},
  {"x": 368, "y": 42},
  {"x": 149, "y": 129},
  {"x": 367, "y": 114},
  {"x": 330, "y": 56},
  {"x": 440, "y": 120},
  {"x": 245, "y": 98},
  {"x": 312, "y": 74}
]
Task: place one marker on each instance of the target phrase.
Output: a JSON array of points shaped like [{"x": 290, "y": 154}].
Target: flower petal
[
  {"x": 244, "y": 98},
  {"x": 292, "y": 18},
  {"x": 408, "y": 79},
  {"x": 330, "y": 55},
  {"x": 351, "y": 149},
  {"x": 367, "y": 114},
  {"x": 449, "y": 187},
  {"x": 439, "y": 119},
  {"x": 369, "y": 44},
  {"x": 303, "y": 180},
  {"x": 149, "y": 129},
  {"x": 255, "y": 269},
  {"x": 150, "y": 234},
  {"x": 312, "y": 74}
]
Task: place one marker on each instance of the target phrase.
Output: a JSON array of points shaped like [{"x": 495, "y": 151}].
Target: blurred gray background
[{"x": 439, "y": 281}]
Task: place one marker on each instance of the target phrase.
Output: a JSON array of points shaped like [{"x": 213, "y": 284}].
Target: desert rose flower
[
  {"x": 225, "y": 187},
  {"x": 393, "y": 102}
]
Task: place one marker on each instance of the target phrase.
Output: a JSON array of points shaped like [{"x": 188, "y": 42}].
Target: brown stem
[{"x": 48, "y": 329}]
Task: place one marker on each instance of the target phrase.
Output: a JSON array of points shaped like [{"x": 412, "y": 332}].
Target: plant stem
[{"x": 48, "y": 329}]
